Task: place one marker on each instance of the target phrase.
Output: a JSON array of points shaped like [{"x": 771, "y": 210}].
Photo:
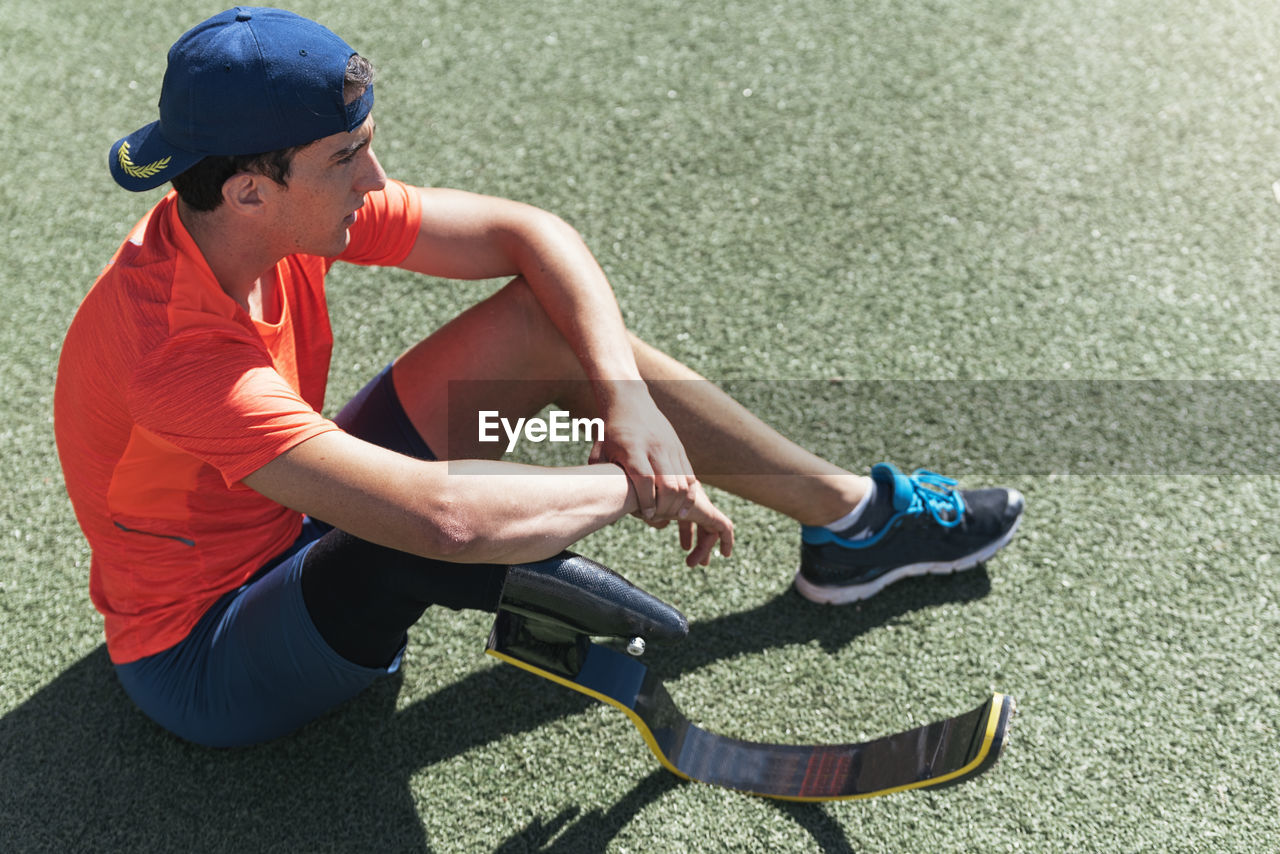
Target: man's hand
[
  {"x": 701, "y": 529},
  {"x": 640, "y": 439},
  {"x": 711, "y": 527}
]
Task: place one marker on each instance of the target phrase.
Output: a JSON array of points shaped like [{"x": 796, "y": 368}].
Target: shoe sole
[{"x": 844, "y": 594}]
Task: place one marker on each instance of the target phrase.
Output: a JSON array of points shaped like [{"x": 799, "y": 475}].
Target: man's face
[{"x": 327, "y": 183}]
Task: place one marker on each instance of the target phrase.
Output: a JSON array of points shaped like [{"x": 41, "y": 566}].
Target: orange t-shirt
[{"x": 168, "y": 394}]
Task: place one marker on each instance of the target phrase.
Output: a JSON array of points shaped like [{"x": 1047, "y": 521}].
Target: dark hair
[{"x": 200, "y": 187}]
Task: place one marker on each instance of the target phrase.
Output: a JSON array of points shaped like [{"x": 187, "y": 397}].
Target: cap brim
[{"x": 144, "y": 159}]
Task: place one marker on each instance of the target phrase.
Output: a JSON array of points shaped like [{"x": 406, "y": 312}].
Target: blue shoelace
[{"x": 935, "y": 493}]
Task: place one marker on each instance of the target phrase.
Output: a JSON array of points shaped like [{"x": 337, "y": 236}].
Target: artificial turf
[{"x": 851, "y": 197}]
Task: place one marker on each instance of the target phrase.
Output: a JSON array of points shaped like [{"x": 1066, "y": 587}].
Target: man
[{"x": 257, "y": 563}]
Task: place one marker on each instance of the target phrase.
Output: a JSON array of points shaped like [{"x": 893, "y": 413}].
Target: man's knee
[{"x": 535, "y": 326}]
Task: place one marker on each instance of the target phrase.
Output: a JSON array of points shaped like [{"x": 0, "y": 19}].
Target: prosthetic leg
[{"x": 550, "y": 610}]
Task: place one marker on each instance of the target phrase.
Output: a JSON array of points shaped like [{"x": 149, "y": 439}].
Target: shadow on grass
[{"x": 84, "y": 770}]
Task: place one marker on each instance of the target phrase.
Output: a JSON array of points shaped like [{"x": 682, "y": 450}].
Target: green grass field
[{"x": 808, "y": 191}]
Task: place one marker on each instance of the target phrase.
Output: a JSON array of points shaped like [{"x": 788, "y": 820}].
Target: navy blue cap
[{"x": 246, "y": 81}]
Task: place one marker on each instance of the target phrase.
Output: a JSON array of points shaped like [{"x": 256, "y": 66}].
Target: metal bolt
[{"x": 635, "y": 646}]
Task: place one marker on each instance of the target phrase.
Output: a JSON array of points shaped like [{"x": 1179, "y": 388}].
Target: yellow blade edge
[{"x": 998, "y": 702}]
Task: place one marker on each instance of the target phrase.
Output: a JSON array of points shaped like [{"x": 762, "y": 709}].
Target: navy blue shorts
[{"x": 255, "y": 667}]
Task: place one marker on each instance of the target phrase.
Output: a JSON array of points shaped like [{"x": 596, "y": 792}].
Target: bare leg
[
  {"x": 747, "y": 456},
  {"x": 509, "y": 338},
  {"x": 502, "y": 354}
]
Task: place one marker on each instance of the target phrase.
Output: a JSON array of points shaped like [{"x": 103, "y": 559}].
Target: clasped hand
[{"x": 640, "y": 439}]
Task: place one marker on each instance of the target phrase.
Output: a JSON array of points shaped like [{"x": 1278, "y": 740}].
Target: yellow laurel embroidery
[{"x": 133, "y": 171}]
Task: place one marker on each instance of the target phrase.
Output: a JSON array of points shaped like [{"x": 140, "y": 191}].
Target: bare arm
[
  {"x": 468, "y": 236},
  {"x": 464, "y": 511}
]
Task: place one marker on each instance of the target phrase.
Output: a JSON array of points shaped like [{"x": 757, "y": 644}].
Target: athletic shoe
[{"x": 932, "y": 528}]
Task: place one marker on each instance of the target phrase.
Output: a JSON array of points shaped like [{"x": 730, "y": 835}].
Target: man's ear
[{"x": 246, "y": 193}]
